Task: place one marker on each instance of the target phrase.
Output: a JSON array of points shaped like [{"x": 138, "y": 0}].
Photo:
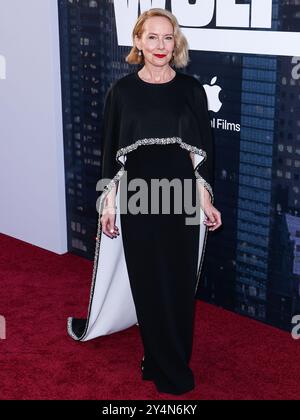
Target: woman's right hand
[{"x": 107, "y": 220}]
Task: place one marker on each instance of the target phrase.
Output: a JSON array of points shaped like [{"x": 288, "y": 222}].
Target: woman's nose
[{"x": 161, "y": 44}]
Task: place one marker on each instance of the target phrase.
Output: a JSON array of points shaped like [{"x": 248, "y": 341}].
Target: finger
[
  {"x": 111, "y": 232},
  {"x": 216, "y": 226},
  {"x": 112, "y": 227},
  {"x": 116, "y": 228},
  {"x": 218, "y": 220},
  {"x": 107, "y": 229},
  {"x": 211, "y": 221},
  {"x": 106, "y": 232},
  {"x": 211, "y": 217},
  {"x": 212, "y": 224}
]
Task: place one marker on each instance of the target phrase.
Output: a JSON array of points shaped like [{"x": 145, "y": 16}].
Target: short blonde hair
[{"x": 180, "y": 58}]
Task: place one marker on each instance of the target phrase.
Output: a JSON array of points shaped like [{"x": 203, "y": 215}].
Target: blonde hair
[{"x": 180, "y": 58}]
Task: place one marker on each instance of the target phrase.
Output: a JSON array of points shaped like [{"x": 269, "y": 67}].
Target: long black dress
[
  {"x": 164, "y": 279},
  {"x": 150, "y": 273}
]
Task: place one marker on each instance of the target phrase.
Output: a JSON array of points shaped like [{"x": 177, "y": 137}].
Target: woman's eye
[{"x": 153, "y": 37}]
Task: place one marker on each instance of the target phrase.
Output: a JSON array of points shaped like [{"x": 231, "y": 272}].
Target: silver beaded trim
[
  {"x": 159, "y": 140},
  {"x": 70, "y": 331},
  {"x": 110, "y": 185},
  {"x": 107, "y": 188},
  {"x": 167, "y": 140},
  {"x": 205, "y": 184}
]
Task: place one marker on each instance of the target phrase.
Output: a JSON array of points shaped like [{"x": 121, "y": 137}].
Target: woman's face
[{"x": 158, "y": 38}]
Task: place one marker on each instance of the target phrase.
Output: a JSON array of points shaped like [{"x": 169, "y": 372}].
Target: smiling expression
[{"x": 157, "y": 41}]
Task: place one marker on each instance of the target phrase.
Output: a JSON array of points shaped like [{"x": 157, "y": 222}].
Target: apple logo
[{"x": 212, "y": 92}]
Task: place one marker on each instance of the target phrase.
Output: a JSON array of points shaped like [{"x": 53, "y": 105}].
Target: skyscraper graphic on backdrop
[
  {"x": 284, "y": 269},
  {"x": 91, "y": 61},
  {"x": 256, "y": 271},
  {"x": 258, "y": 111}
]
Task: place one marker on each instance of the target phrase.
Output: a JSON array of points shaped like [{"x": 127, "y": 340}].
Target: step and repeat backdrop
[{"x": 247, "y": 56}]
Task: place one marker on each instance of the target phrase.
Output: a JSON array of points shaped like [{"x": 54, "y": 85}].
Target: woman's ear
[{"x": 137, "y": 42}]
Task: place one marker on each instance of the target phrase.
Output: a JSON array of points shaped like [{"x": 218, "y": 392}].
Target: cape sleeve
[
  {"x": 110, "y": 135},
  {"x": 204, "y": 170}
]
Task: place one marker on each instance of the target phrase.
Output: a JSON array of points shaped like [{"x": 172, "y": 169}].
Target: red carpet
[{"x": 233, "y": 358}]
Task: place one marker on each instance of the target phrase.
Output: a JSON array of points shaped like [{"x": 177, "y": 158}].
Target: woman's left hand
[{"x": 213, "y": 217}]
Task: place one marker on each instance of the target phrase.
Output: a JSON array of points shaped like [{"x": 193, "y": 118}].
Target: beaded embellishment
[
  {"x": 167, "y": 140},
  {"x": 122, "y": 152}
]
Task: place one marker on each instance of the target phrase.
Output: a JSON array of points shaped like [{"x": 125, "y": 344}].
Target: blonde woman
[{"x": 147, "y": 264}]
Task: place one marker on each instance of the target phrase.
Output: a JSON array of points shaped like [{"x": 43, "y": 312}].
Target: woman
[{"x": 156, "y": 126}]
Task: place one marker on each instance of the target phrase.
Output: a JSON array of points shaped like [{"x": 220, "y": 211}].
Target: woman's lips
[{"x": 160, "y": 55}]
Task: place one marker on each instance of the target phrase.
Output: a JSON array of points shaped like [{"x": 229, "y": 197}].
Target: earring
[{"x": 140, "y": 52}]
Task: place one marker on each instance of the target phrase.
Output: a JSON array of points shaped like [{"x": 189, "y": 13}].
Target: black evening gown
[
  {"x": 149, "y": 274},
  {"x": 161, "y": 253}
]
